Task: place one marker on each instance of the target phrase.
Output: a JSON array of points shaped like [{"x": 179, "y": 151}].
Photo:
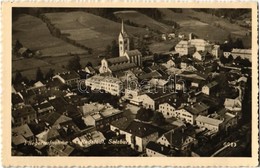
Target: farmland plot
[
  {"x": 34, "y": 34},
  {"x": 89, "y": 30},
  {"x": 143, "y": 20}
]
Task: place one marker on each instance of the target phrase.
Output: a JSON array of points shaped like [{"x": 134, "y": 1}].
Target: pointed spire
[{"x": 122, "y": 26}]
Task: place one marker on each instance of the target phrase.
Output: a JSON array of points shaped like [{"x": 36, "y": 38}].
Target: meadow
[
  {"x": 90, "y": 30},
  {"x": 33, "y": 33}
]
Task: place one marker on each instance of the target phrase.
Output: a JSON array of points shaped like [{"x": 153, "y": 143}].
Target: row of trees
[
  {"x": 238, "y": 43},
  {"x": 39, "y": 76},
  {"x": 237, "y": 61},
  {"x": 57, "y": 33}
]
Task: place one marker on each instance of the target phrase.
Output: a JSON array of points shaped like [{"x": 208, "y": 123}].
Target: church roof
[
  {"x": 133, "y": 52},
  {"x": 117, "y": 60},
  {"x": 121, "y": 67}
]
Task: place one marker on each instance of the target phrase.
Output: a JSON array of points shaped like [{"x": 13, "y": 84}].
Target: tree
[
  {"x": 50, "y": 74},
  {"x": 89, "y": 64},
  {"x": 238, "y": 43},
  {"x": 238, "y": 60},
  {"x": 158, "y": 118},
  {"x": 39, "y": 75},
  {"x": 74, "y": 64},
  {"x": 17, "y": 46},
  {"x": 230, "y": 59},
  {"x": 144, "y": 114},
  {"x": 18, "y": 77},
  {"x": 114, "y": 49}
]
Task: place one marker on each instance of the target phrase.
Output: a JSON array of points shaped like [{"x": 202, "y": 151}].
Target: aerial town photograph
[{"x": 139, "y": 82}]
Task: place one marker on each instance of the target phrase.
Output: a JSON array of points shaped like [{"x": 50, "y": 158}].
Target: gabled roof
[
  {"x": 54, "y": 82},
  {"x": 48, "y": 135},
  {"x": 117, "y": 60},
  {"x": 161, "y": 94},
  {"x": 55, "y": 118},
  {"x": 133, "y": 52},
  {"x": 69, "y": 75},
  {"x": 140, "y": 129},
  {"x": 23, "y": 130},
  {"x": 20, "y": 112},
  {"x": 176, "y": 138},
  {"x": 160, "y": 149},
  {"x": 16, "y": 99},
  {"x": 59, "y": 104},
  {"x": 212, "y": 84},
  {"x": 209, "y": 120},
  {"x": 121, "y": 67},
  {"x": 196, "y": 108},
  {"x": 153, "y": 74},
  {"x": 121, "y": 123}
]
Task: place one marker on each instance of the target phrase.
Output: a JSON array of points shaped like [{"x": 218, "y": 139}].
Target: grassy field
[
  {"x": 206, "y": 26},
  {"x": 34, "y": 34},
  {"x": 90, "y": 30},
  {"x": 142, "y": 20}
]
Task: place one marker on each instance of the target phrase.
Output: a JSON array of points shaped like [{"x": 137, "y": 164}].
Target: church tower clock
[{"x": 123, "y": 41}]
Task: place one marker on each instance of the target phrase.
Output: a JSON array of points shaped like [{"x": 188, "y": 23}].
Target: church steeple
[
  {"x": 123, "y": 40},
  {"x": 122, "y": 27}
]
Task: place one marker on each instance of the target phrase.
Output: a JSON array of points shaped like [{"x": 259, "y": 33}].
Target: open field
[
  {"x": 205, "y": 25},
  {"x": 90, "y": 30},
  {"x": 143, "y": 20},
  {"x": 34, "y": 34}
]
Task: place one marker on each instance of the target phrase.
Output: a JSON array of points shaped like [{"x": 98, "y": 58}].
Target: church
[{"x": 128, "y": 59}]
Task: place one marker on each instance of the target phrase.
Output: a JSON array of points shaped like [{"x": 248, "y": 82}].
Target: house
[
  {"x": 25, "y": 52},
  {"x": 201, "y": 45},
  {"x": 102, "y": 118},
  {"x": 158, "y": 83},
  {"x": 185, "y": 48},
  {"x": 151, "y": 100},
  {"x": 137, "y": 134},
  {"x": 59, "y": 104},
  {"x": 37, "y": 88},
  {"x": 154, "y": 149},
  {"x": 48, "y": 135},
  {"x": 23, "y": 115},
  {"x": 58, "y": 149},
  {"x": 233, "y": 104},
  {"x": 54, "y": 119},
  {"x": 22, "y": 134},
  {"x": 212, "y": 124},
  {"x": 200, "y": 55},
  {"x": 43, "y": 108},
  {"x": 243, "y": 53},
  {"x": 90, "y": 70},
  {"x": 17, "y": 100},
  {"x": 89, "y": 139},
  {"x": 167, "y": 108},
  {"x": 209, "y": 88},
  {"x": 189, "y": 113},
  {"x": 177, "y": 139},
  {"x": 171, "y": 36},
  {"x": 109, "y": 84},
  {"x": 170, "y": 63},
  {"x": 69, "y": 78},
  {"x": 53, "y": 83}
]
